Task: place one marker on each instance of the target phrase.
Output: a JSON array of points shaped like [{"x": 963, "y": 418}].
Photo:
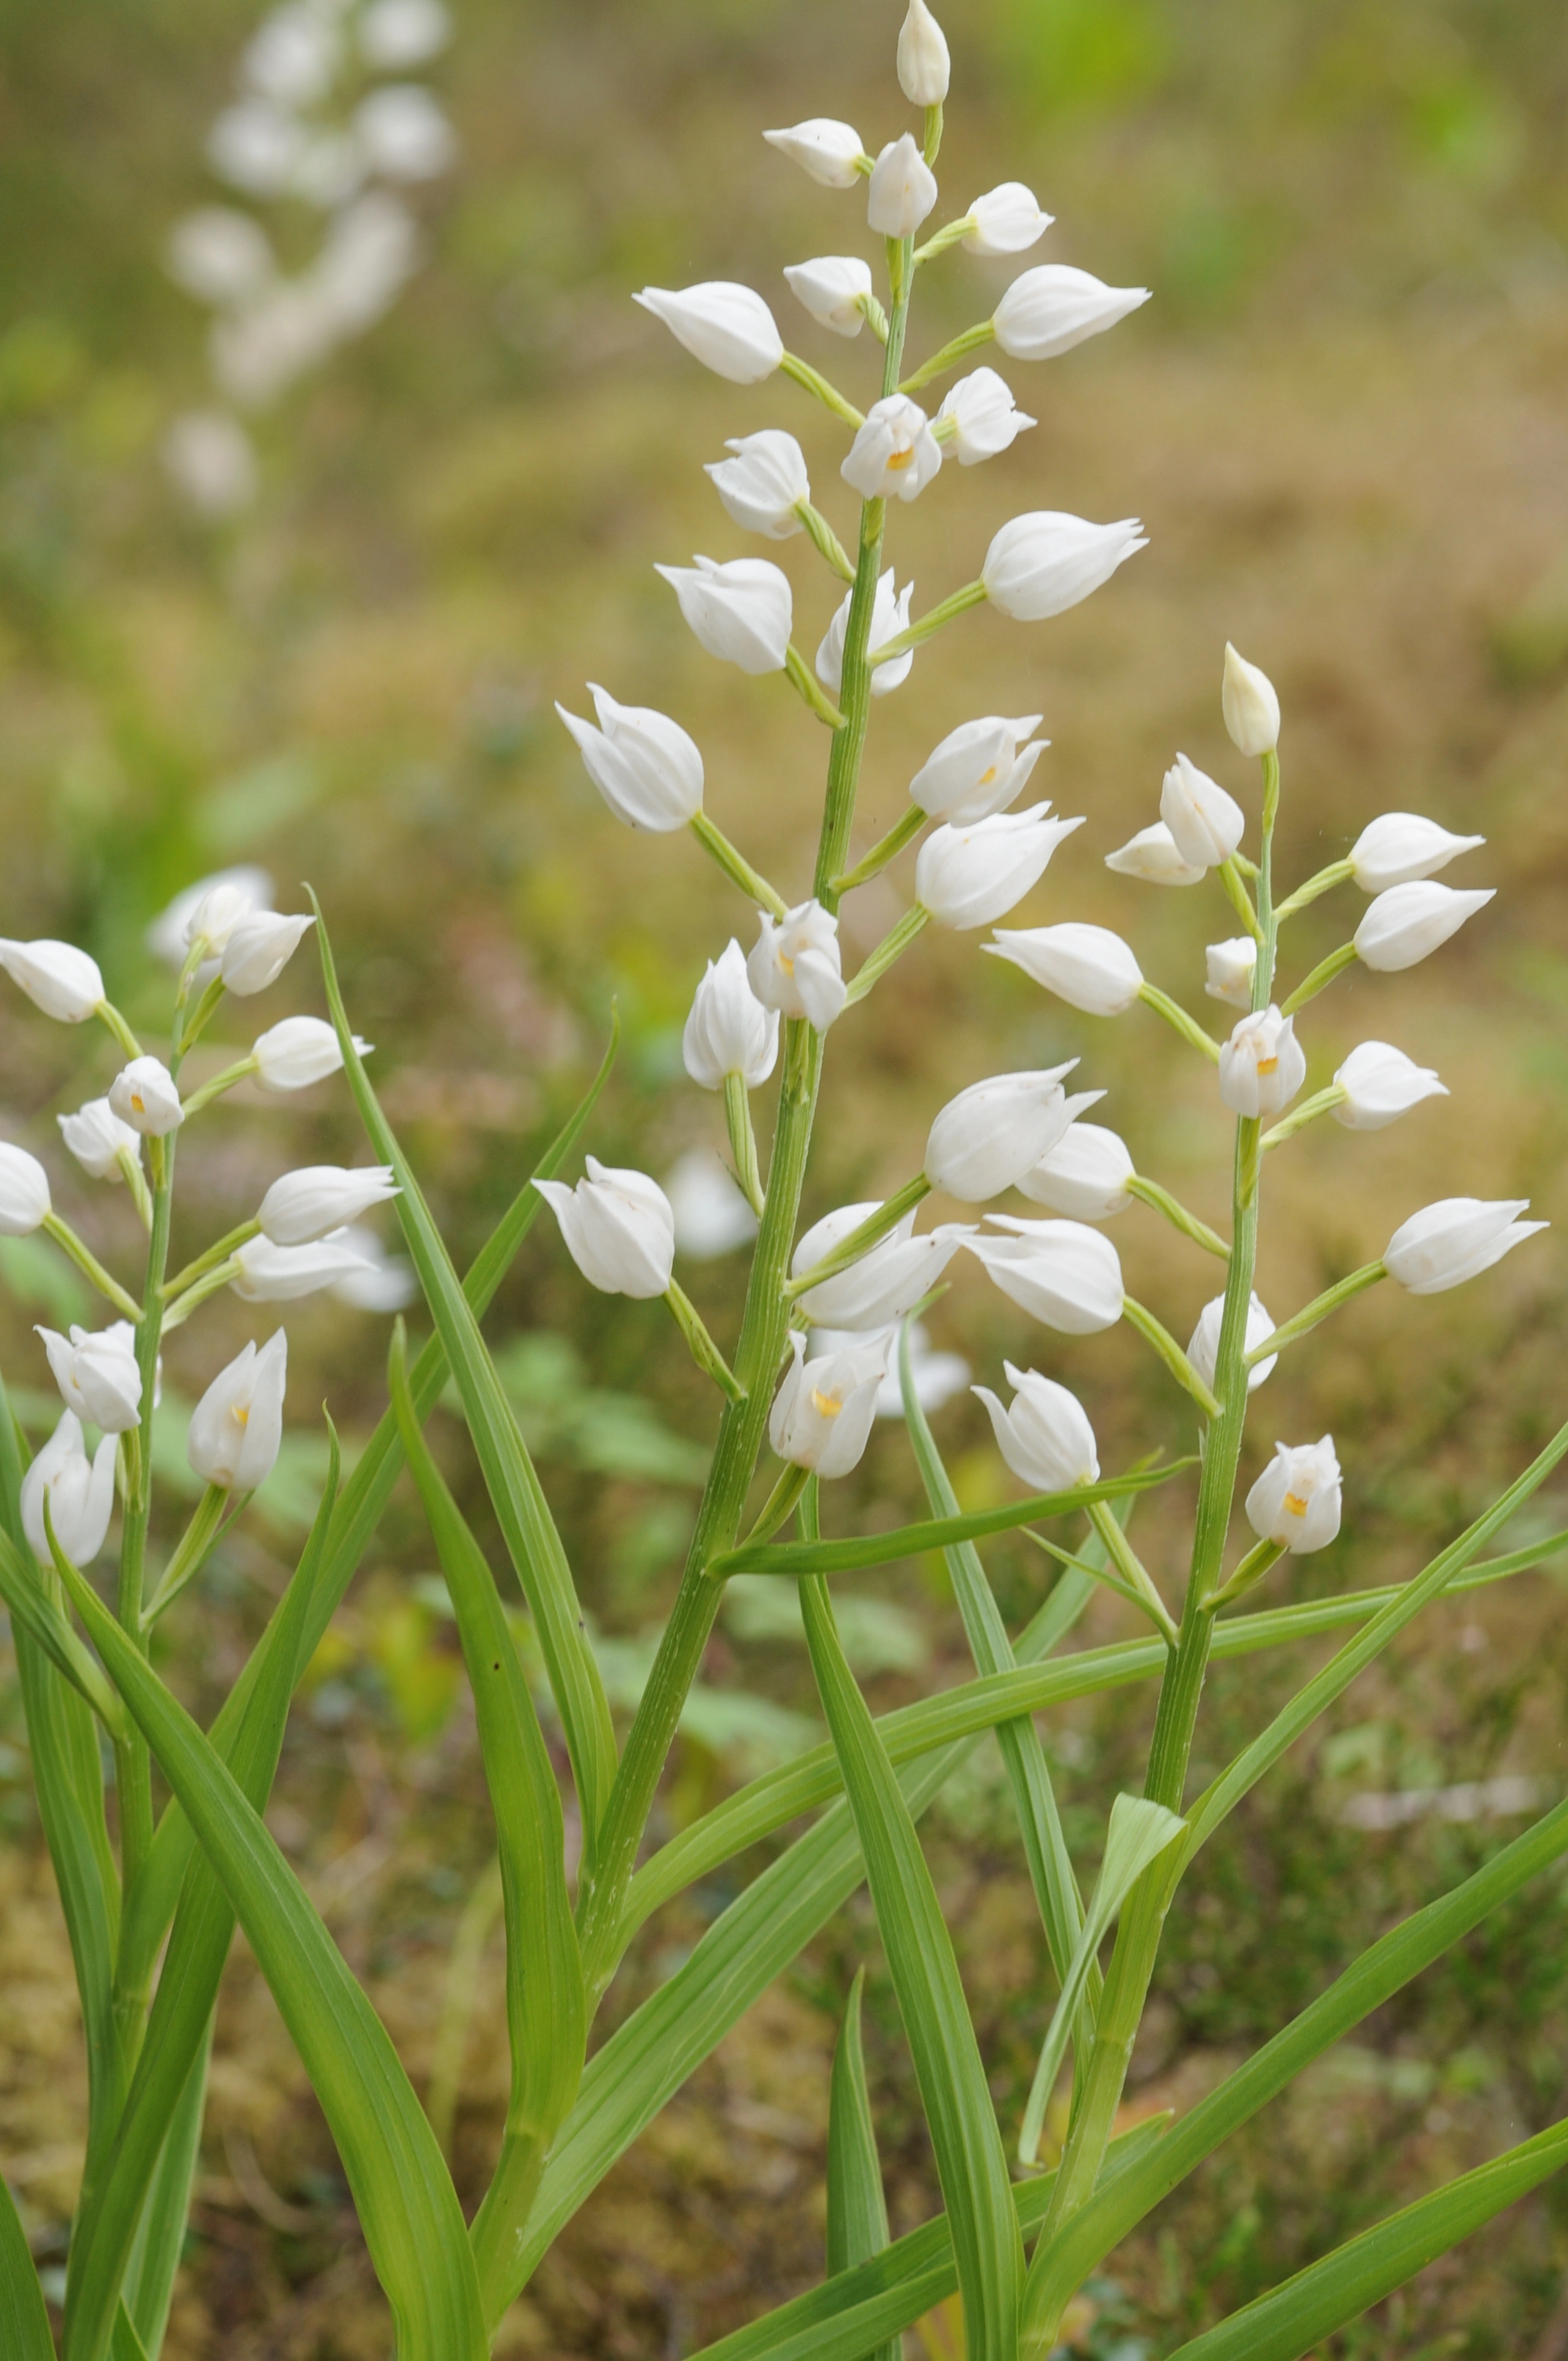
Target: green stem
[
  {"x": 1343, "y": 1292},
  {"x": 973, "y": 340},
  {"x": 1149, "y": 1192},
  {"x": 177, "y": 1313},
  {"x": 825, "y": 539},
  {"x": 972, "y": 594},
  {"x": 1334, "y": 874},
  {"x": 109, "y": 1016},
  {"x": 891, "y": 947},
  {"x": 863, "y": 1237},
  {"x": 803, "y": 678},
  {"x": 1239, "y": 899},
  {"x": 238, "y": 1073},
  {"x": 135, "y": 1180},
  {"x": 1322, "y": 976},
  {"x": 1154, "y": 1333},
  {"x": 1134, "y": 1572},
  {"x": 1175, "y": 1015},
  {"x": 191, "y": 1551},
  {"x": 703, "y": 1349},
  {"x": 814, "y": 382},
  {"x": 1320, "y": 1102},
  {"x": 201, "y": 1016},
  {"x": 947, "y": 235},
  {"x": 743, "y": 1141},
  {"x": 133, "y": 1770},
  {"x": 209, "y": 1261},
  {"x": 88, "y": 1264},
  {"x": 1257, "y": 1562},
  {"x": 901, "y": 833},
  {"x": 739, "y": 870}
]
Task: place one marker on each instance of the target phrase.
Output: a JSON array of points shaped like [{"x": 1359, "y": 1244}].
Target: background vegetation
[{"x": 1342, "y": 420}]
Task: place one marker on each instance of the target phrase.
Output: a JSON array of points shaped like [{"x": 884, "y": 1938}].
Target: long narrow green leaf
[
  {"x": 856, "y": 2207},
  {"x": 169, "y": 2073},
  {"x": 358, "y": 1513},
  {"x": 408, "y": 2209},
  {"x": 546, "y": 2009},
  {"x": 1327, "y": 2295},
  {"x": 913, "y": 1540},
  {"x": 516, "y": 1493},
  {"x": 125, "y": 2344},
  {"x": 36, "y": 1612},
  {"x": 21, "y": 2297},
  {"x": 160, "y": 2237},
  {"x": 970, "y": 2163}
]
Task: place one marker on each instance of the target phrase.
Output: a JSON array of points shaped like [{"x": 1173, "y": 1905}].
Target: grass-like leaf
[
  {"x": 857, "y": 2208},
  {"x": 521, "y": 1507},
  {"x": 21, "y": 2297},
  {"x": 407, "y": 2208},
  {"x": 36, "y": 1612}
]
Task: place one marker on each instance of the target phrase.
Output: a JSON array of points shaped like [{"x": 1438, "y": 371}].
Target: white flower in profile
[
  {"x": 168, "y": 939},
  {"x": 884, "y": 1282},
  {"x": 619, "y": 1229},
  {"x": 1089, "y": 967},
  {"x": 98, "y": 1139},
  {"x": 1040, "y": 565},
  {"x": 729, "y": 1030},
  {"x": 211, "y": 461},
  {"x": 1380, "y": 1083},
  {"x": 1295, "y": 1502},
  {"x": 711, "y": 1216},
  {"x": 145, "y": 1095},
  {"x": 403, "y": 135},
  {"x": 1205, "y": 822},
  {"x": 831, "y": 153},
  {"x": 1397, "y": 848},
  {"x": 894, "y": 453},
  {"x": 644, "y": 765},
  {"x": 924, "y": 68},
  {"x": 62, "y": 981},
  {"x": 1061, "y": 1273},
  {"x": 741, "y": 612},
  {"x": 979, "y": 768},
  {"x": 725, "y": 326},
  {"x": 237, "y": 1428},
  {"x": 379, "y": 1281},
  {"x": 219, "y": 256},
  {"x": 96, "y": 1372},
  {"x": 972, "y": 874},
  {"x": 1204, "y": 1347},
  {"x": 267, "y": 1273},
  {"x": 982, "y": 417},
  {"x": 988, "y": 1136},
  {"x": 304, "y": 1205},
  {"x": 1006, "y": 220},
  {"x": 763, "y": 485},
  {"x": 1085, "y": 1174},
  {"x": 890, "y": 616},
  {"x": 902, "y": 189},
  {"x": 299, "y": 1051},
  {"x": 396, "y": 34},
  {"x": 1231, "y": 969},
  {"x": 259, "y": 947},
  {"x": 1155, "y": 856},
  {"x": 213, "y": 918},
  {"x": 794, "y": 964},
  {"x": 81, "y": 1494},
  {"x": 1044, "y": 1435},
  {"x": 25, "y": 1203},
  {"x": 836, "y": 289},
  {"x": 1054, "y": 307},
  {"x": 822, "y": 1414},
  {"x": 1250, "y": 706},
  {"x": 1263, "y": 1065},
  {"x": 1405, "y": 924},
  {"x": 1456, "y": 1239}
]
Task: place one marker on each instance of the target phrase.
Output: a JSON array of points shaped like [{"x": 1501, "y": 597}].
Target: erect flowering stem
[
  {"x": 802, "y": 677},
  {"x": 1175, "y": 1015},
  {"x": 215, "y": 1254},
  {"x": 1239, "y": 899},
  {"x": 1291, "y": 1331},
  {"x": 1125, "y": 1557},
  {"x": 1257, "y": 1562},
  {"x": 1322, "y": 976},
  {"x": 973, "y": 340},
  {"x": 863, "y": 1236},
  {"x": 736, "y": 867},
  {"x": 891, "y": 948},
  {"x": 1320, "y": 1102},
  {"x": 901, "y": 833},
  {"x": 823, "y": 537},
  {"x": 703, "y": 1349},
  {"x": 1149, "y": 1192},
  {"x": 972, "y": 594},
  {"x": 1334, "y": 874},
  {"x": 814, "y": 382},
  {"x": 88, "y": 1264},
  {"x": 743, "y": 1141},
  {"x": 1153, "y": 1332}
]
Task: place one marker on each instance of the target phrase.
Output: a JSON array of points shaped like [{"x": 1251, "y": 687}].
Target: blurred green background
[{"x": 1342, "y": 420}]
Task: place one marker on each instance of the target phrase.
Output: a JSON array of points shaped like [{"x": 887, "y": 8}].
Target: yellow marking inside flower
[
  {"x": 786, "y": 963},
  {"x": 1267, "y": 1065},
  {"x": 824, "y": 1405},
  {"x": 900, "y": 458},
  {"x": 988, "y": 777},
  {"x": 1296, "y": 1503},
  {"x": 138, "y": 1103}
]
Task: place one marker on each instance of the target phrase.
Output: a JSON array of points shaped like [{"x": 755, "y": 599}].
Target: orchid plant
[{"x": 827, "y": 1319}]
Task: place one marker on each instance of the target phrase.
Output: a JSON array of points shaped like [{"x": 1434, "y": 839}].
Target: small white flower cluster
[{"x": 326, "y": 115}]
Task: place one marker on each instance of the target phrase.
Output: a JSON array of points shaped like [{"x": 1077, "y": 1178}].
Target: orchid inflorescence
[{"x": 828, "y": 1339}]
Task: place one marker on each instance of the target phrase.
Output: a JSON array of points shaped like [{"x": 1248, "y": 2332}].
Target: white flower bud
[
  {"x": 1263, "y": 1065},
  {"x": 145, "y": 1095},
  {"x": 902, "y": 190},
  {"x": 303, "y": 1206},
  {"x": 25, "y": 1199},
  {"x": 741, "y": 612},
  {"x": 97, "y": 1138},
  {"x": 1296, "y": 1500},
  {"x": 238, "y": 1426},
  {"x": 712, "y": 1216},
  {"x": 81, "y": 1494},
  {"x": 982, "y": 415},
  {"x": 1045, "y": 1436},
  {"x": 1059, "y": 1272},
  {"x": 985, "y": 1140},
  {"x": 1399, "y": 847},
  {"x": 1250, "y": 706},
  {"x": 973, "y": 875},
  {"x": 1205, "y": 822},
  {"x": 1089, "y": 967},
  {"x": 894, "y": 453},
  {"x": 829, "y": 150},
  {"x": 1232, "y": 966},
  {"x": 379, "y": 1281},
  {"x": 890, "y": 615},
  {"x": 1085, "y": 1175},
  {"x": 980, "y": 768},
  {"x": 643, "y": 765},
  {"x": 298, "y": 1052},
  {"x": 924, "y": 66},
  {"x": 885, "y": 1282},
  {"x": 1042, "y": 564},
  {"x": 822, "y": 1414},
  {"x": 795, "y": 965},
  {"x": 58, "y": 978},
  {"x": 167, "y": 938},
  {"x": 1054, "y": 307},
  {"x": 619, "y": 1229},
  {"x": 1402, "y": 926},
  {"x": 1155, "y": 856},
  {"x": 96, "y": 1372},
  {"x": 1380, "y": 1084},
  {"x": 1456, "y": 1239},
  {"x": 729, "y": 1030},
  {"x": 259, "y": 947},
  {"x": 1203, "y": 1348},
  {"x": 835, "y": 289},
  {"x": 762, "y": 486},
  {"x": 1006, "y": 220},
  {"x": 725, "y": 326},
  {"x": 226, "y": 901},
  {"x": 267, "y": 1273}
]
